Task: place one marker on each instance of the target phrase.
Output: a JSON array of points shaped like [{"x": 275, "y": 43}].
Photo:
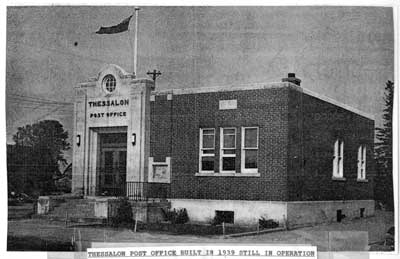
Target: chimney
[{"x": 292, "y": 79}]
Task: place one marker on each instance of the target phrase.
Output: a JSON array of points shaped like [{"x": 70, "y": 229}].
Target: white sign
[
  {"x": 107, "y": 111},
  {"x": 228, "y": 104},
  {"x": 160, "y": 172}
]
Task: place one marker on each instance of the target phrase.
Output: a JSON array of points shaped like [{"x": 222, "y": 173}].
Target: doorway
[{"x": 112, "y": 171}]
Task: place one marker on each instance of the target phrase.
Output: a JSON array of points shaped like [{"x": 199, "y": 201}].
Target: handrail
[{"x": 138, "y": 191}]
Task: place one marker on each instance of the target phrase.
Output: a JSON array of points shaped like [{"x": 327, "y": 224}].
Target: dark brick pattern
[
  {"x": 317, "y": 124},
  {"x": 296, "y": 136},
  {"x": 266, "y": 109}
]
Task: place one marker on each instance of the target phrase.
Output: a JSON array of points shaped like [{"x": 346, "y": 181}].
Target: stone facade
[{"x": 95, "y": 114}]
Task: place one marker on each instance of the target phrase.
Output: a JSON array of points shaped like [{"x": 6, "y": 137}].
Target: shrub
[
  {"x": 267, "y": 223},
  {"x": 179, "y": 216},
  {"x": 124, "y": 216},
  {"x": 182, "y": 216},
  {"x": 223, "y": 216},
  {"x": 217, "y": 220}
]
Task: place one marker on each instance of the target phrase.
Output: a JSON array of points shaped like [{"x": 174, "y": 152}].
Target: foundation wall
[
  {"x": 245, "y": 212},
  {"x": 317, "y": 212},
  {"x": 290, "y": 213}
]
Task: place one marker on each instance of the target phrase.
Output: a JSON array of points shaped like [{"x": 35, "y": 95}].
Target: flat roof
[{"x": 256, "y": 86}]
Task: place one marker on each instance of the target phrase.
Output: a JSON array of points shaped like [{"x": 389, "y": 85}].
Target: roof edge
[{"x": 257, "y": 86}]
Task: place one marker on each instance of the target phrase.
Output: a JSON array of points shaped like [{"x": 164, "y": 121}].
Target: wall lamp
[
  {"x": 78, "y": 140},
  {"x": 133, "y": 138}
]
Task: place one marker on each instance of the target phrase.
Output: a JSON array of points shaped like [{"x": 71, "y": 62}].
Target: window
[
  {"x": 361, "y": 162},
  {"x": 224, "y": 216},
  {"x": 362, "y": 211},
  {"x": 109, "y": 83},
  {"x": 339, "y": 215},
  {"x": 249, "y": 151},
  {"x": 207, "y": 150},
  {"x": 228, "y": 150},
  {"x": 338, "y": 159}
]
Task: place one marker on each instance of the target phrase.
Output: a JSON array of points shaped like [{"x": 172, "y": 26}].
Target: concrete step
[
  {"x": 73, "y": 208},
  {"x": 90, "y": 220}
]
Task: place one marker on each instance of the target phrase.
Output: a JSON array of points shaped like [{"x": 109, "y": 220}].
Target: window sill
[
  {"x": 338, "y": 178},
  {"x": 229, "y": 174},
  {"x": 362, "y": 180}
]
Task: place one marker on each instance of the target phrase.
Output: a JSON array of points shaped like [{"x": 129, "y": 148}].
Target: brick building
[{"x": 273, "y": 150}]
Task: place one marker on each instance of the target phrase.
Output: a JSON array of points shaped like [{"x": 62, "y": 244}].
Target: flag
[{"x": 123, "y": 26}]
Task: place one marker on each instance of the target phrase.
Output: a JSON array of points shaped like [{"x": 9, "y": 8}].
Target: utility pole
[{"x": 154, "y": 74}]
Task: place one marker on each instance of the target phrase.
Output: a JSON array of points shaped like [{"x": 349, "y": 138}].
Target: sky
[{"x": 345, "y": 53}]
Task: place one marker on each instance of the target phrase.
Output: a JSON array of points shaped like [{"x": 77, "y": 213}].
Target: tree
[
  {"x": 383, "y": 152},
  {"x": 42, "y": 145}
]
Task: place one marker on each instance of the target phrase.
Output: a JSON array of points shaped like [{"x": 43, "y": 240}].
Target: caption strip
[{"x": 205, "y": 252}]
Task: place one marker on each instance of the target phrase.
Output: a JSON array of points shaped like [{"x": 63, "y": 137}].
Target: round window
[{"x": 109, "y": 83}]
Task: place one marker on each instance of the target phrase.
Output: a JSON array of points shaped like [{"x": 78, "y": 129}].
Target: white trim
[
  {"x": 242, "y": 174},
  {"x": 338, "y": 178},
  {"x": 362, "y": 162},
  {"x": 223, "y": 88},
  {"x": 243, "y": 152},
  {"x": 201, "y": 155},
  {"x": 337, "y": 103},
  {"x": 256, "y": 86},
  {"x": 337, "y": 161},
  {"x": 104, "y": 82},
  {"x": 221, "y": 149}
]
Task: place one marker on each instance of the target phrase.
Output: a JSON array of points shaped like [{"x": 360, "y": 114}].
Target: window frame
[
  {"x": 201, "y": 149},
  {"x": 243, "y": 150},
  {"x": 221, "y": 149},
  {"x": 338, "y": 159},
  {"x": 109, "y": 83},
  {"x": 362, "y": 162}
]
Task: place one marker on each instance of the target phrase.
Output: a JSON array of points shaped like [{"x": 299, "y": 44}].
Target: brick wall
[
  {"x": 318, "y": 124},
  {"x": 296, "y": 137},
  {"x": 175, "y": 128}
]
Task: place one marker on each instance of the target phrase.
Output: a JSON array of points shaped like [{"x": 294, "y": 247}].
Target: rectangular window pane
[
  {"x": 208, "y": 132},
  {"x": 250, "y": 160},
  {"x": 208, "y": 151},
  {"x": 229, "y": 141},
  {"x": 228, "y": 164},
  {"x": 208, "y": 141},
  {"x": 229, "y": 131},
  {"x": 250, "y": 138},
  {"x": 207, "y": 163},
  {"x": 229, "y": 152}
]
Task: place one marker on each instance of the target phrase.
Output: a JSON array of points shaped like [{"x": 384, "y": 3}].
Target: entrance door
[{"x": 112, "y": 175}]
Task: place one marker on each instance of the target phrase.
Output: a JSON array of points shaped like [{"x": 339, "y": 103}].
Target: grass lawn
[{"x": 52, "y": 235}]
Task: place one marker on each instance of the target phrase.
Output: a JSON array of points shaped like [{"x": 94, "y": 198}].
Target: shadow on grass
[{"x": 31, "y": 243}]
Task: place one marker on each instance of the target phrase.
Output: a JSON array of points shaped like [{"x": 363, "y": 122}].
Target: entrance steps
[{"x": 73, "y": 210}]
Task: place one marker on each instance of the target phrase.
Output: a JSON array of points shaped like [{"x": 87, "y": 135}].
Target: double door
[{"x": 113, "y": 171}]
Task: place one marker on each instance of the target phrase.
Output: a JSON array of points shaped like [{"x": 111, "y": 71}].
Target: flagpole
[{"x": 135, "y": 41}]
